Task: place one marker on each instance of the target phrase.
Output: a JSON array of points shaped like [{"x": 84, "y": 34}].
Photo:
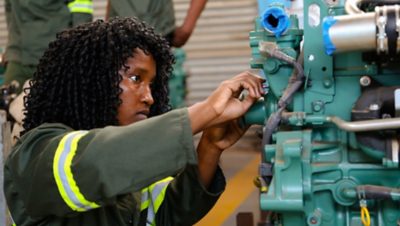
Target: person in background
[
  {"x": 100, "y": 145},
  {"x": 159, "y": 14},
  {"x": 31, "y": 25}
]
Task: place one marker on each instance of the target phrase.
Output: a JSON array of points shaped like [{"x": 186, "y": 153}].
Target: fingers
[
  {"x": 224, "y": 103},
  {"x": 251, "y": 82}
]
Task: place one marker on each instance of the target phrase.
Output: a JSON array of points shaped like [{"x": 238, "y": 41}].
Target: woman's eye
[{"x": 135, "y": 78}]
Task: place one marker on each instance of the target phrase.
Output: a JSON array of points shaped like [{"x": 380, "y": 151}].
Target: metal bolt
[
  {"x": 313, "y": 220},
  {"x": 317, "y": 106},
  {"x": 327, "y": 83},
  {"x": 373, "y": 107},
  {"x": 365, "y": 81}
]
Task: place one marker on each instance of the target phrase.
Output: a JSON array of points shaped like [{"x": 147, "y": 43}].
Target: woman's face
[{"x": 136, "y": 96}]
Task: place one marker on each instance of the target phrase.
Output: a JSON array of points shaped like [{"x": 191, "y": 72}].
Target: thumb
[{"x": 248, "y": 101}]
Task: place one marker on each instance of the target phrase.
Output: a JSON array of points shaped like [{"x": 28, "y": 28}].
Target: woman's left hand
[
  {"x": 223, "y": 136},
  {"x": 213, "y": 142}
]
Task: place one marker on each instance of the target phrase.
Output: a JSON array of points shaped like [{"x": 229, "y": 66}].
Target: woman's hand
[
  {"x": 223, "y": 136},
  {"x": 213, "y": 142},
  {"x": 224, "y": 104}
]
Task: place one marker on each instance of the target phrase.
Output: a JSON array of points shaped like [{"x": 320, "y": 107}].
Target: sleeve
[
  {"x": 187, "y": 200},
  {"x": 57, "y": 172},
  {"x": 81, "y": 11}
]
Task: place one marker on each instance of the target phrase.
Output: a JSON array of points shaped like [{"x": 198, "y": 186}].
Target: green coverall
[
  {"x": 157, "y": 13},
  {"x": 32, "y": 24},
  {"x": 110, "y": 168}
]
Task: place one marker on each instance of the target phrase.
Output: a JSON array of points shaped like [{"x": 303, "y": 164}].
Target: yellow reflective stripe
[
  {"x": 161, "y": 193},
  {"x": 56, "y": 173},
  {"x": 12, "y": 219},
  {"x": 63, "y": 175},
  {"x": 81, "y": 6},
  {"x": 144, "y": 205},
  {"x": 70, "y": 177},
  {"x": 152, "y": 198},
  {"x": 167, "y": 179},
  {"x": 145, "y": 201}
]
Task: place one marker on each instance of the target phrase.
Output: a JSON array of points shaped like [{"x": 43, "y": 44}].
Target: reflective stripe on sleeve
[
  {"x": 152, "y": 198},
  {"x": 81, "y": 6},
  {"x": 145, "y": 199},
  {"x": 12, "y": 219},
  {"x": 66, "y": 184}
]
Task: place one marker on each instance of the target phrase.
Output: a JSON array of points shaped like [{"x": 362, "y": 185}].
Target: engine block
[{"x": 331, "y": 112}]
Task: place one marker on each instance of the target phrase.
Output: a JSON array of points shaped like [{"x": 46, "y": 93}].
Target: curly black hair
[{"x": 77, "y": 82}]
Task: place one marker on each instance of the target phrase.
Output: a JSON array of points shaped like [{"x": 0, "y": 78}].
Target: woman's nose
[{"x": 147, "y": 97}]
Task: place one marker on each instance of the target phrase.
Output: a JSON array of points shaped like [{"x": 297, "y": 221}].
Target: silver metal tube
[
  {"x": 351, "y": 7},
  {"x": 367, "y": 125},
  {"x": 354, "y": 32}
]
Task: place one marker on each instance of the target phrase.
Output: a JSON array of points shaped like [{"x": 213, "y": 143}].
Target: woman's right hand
[{"x": 224, "y": 104}]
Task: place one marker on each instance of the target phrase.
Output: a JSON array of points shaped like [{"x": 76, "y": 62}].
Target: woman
[{"x": 89, "y": 157}]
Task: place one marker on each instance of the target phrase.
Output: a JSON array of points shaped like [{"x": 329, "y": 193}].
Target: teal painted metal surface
[
  {"x": 177, "y": 81},
  {"x": 317, "y": 168}
]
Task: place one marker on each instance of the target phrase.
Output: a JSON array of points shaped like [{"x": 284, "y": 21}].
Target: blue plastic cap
[
  {"x": 264, "y": 4},
  {"x": 282, "y": 19},
  {"x": 286, "y": 3},
  {"x": 328, "y": 22}
]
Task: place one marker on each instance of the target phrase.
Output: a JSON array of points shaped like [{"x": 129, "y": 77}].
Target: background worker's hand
[
  {"x": 182, "y": 33},
  {"x": 224, "y": 104},
  {"x": 181, "y": 36}
]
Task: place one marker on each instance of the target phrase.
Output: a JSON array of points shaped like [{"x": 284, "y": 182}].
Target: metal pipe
[
  {"x": 363, "y": 32},
  {"x": 351, "y": 7},
  {"x": 367, "y": 125},
  {"x": 354, "y": 32}
]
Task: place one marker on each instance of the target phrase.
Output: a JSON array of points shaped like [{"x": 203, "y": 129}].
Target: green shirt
[
  {"x": 110, "y": 167},
  {"x": 157, "y": 13},
  {"x": 32, "y": 24}
]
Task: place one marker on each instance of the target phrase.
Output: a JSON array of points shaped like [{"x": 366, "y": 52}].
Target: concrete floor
[{"x": 240, "y": 166}]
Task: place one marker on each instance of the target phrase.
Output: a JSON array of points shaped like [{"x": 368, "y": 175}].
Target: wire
[{"x": 365, "y": 217}]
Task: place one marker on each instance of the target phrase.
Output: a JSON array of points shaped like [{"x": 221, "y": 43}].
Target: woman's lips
[{"x": 142, "y": 115}]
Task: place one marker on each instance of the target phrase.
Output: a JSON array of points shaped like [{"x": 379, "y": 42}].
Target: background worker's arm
[
  {"x": 182, "y": 33},
  {"x": 107, "y": 16}
]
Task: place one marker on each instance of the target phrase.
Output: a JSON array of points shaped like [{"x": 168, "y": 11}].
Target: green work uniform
[
  {"x": 102, "y": 177},
  {"x": 157, "y": 13},
  {"x": 32, "y": 24}
]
